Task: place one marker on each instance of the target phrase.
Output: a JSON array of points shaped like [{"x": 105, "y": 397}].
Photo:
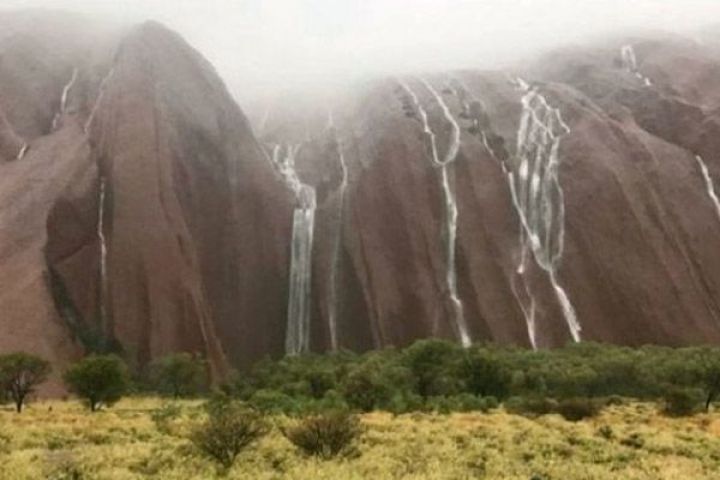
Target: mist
[{"x": 261, "y": 48}]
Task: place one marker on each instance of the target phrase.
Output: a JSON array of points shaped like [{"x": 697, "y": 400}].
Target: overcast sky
[{"x": 258, "y": 44}]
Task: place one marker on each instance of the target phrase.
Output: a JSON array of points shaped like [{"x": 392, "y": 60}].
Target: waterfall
[
  {"x": 297, "y": 337},
  {"x": 22, "y": 152},
  {"x": 64, "y": 99},
  {"x": 523, "y": 295},
  {"x": 538, "y": 199},
  {"x": 451, "y": 211},
  {"x": 527, "y": 305},
  {"x": 103, "y": 248},
  {"x": 98, "y": 99},
  {"x": 709, "y": 184},
  {"x": 629, "y": 60},
  {"x": 332, "y": 297},
  {"x": 629, "y": 63},
  {"x": 525, "y": 298}
]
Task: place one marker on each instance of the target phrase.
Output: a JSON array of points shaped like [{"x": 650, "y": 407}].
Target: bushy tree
[
  {"x": 98, "y": 379},
  {"x": 682, "y": 401},
  {"x": 179, "y": 374},
  {"x": 273, "y": 402},
  {"x": 709, "y": 374},
  {"x": 20, "y": 374},
  {"x": 433, "y": 364},
  {"x": 229, "y": 428},
  {"x": 484, "y": 374},
  {"x": 576, "y": 409},
  {"x": 365, "y": 388}
]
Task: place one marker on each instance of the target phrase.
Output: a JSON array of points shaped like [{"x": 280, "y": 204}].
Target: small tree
[
  {"x": 433, "y": 363},
  {"x": 98, "y": 379},
  {"x": 681, "y": 402},
  {"x": 710, "y": 375},
  {"x": 20, "y": 373},
  {"x": 228, "y": 430},
  {"x": 484, "y": 375},
  {"x": 179, "y": 375},
  {"x": 576, "y": 409},
  {"x": 365, "y": 390}
]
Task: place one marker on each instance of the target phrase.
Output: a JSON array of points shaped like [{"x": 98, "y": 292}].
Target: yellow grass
[{"x": 61, "y": 441}]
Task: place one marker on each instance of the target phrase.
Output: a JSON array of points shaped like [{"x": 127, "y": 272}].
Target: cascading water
[
  {"x": 103, "y": 249},
  {"x": 64, "y": 99},
  {"x": 98, "y": 99},
  {"x": 710, "y": 187},
  {"x": 629, "y": 60},
  {"x": 297, "y": 337},
  {"x": 332, "y": 300},
  {"x": 538, "y": 199},
  {"x": 523, "y": 295},
  {"x": 451, "y": 211},
  {"x": 629, "y": 63},
  {"x": 23, "y": 151}
]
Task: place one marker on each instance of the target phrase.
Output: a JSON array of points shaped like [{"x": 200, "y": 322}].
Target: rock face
[
  {"x": 574, "y": 200},
  {"x": 571, "y": 201},
  {"x": 143, "y": 217}
]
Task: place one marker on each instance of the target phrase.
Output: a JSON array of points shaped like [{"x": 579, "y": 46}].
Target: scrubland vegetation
[
  {"x": 63, "y": 440},
  {"x": 430, "y": 411}
]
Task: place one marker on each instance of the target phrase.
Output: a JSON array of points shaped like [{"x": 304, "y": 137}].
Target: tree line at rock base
[
  {"x": 436, "y": 375},
  {"x": 429, "y": 375}
]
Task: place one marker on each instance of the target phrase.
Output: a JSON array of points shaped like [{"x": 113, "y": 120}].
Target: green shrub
[
  {"x": 576, "y": 409},
  {"x": 464, "y": 402},
  {"x": 364, "y": 389},
  {"x": 179, "y": 375},
  {"x": 434, "y": 365},
  {"x": 404, "y": 402},
  {"x": 484, "y": 375},
  {"x": 331, "y": 401},
  {"x": 614, "y": 400},
  {"x": 320, "y": 379},
  {"x": 531, "y": 406},
  {"x": 682, "y": 402},
  {"x": 229, "y": 429},
  {"x": 273, "y": 402},
  {"x": 325, "y": 435},
  {"x": 98, "y": 379}
]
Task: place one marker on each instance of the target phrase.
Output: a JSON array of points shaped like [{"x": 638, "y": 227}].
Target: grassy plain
[{"x": 62, "y": 441}]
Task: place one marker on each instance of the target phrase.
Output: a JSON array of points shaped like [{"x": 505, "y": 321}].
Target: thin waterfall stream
[
  {"x": 64, "y": 99},
  {"x": 103, "y": 250},
  {"x": 451, "y": 211},
  {"x": 709, "y": 186},
  {"x": 297, "y": 337},
  {"x": 539, "y": 201},
  {"x": 629, "y": 63},
  {"x": 333, "y": 290}
]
